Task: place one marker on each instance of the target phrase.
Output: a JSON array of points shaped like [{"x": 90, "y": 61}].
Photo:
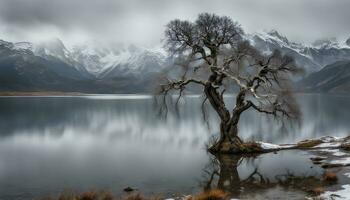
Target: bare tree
[{"x": 212, "y": 53}]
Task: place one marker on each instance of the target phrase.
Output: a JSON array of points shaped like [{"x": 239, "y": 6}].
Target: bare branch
[
  {"x": 211, "y": 52},
  {"x": 276, "y": 109}
]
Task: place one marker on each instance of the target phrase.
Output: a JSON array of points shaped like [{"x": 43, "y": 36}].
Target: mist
[{"x": 142, "y": 22}]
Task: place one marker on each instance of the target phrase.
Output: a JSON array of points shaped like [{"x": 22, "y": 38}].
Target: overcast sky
[{"x": 143, "y": 21}]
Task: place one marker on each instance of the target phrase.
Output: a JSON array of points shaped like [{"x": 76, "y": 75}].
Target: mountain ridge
[
  {"x": 130, "y": 68},
  {"x": 312, "y": 57},
  {"x": 333, "y": 78}
]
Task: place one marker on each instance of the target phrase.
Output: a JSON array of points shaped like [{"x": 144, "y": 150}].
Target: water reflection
[
  {"x": 137, "y": 117},
  {"x": 49, "y": 144},
  {"x": 248, "y": 176}
]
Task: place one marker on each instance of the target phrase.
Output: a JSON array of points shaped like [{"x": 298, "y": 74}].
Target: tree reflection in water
[{"x": 222, "y": 172}]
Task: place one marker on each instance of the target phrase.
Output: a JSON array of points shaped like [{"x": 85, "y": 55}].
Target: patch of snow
[
  {"x": 330, "y": 139},
  {"x": 322, "y": 157},
  {"x": 342, "y": 161},
  {"x": 269, "y": 146},
  {"x": 249, "y": 38},
  {"x": 275, "y": 38},
  {"x": 22, "y": 46},
  {"x": 132, "y": 59},
  {"x": 267, "y": 52},
  {"x": 334, "y": 152},
  {"x": 328, "y": 150},
  {"x": 339, "y": 194},
  {"x": 347, "y": 174},
  {"x": 329, "y": 44},
  {"x": 285, "y": 146},
  {"x": 328, "y": 145},
  {"x": 6, "y": 44},
  {"x": 343, "y": 46},
  {"x": 339, "y": 153}
]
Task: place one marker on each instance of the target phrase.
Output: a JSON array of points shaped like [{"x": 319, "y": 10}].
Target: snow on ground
[
  {"x": 339, "y": 194},
  {"x": 331, "y": 151},
  {"x": 269, "y": 146},
  {"x": 331, "y": 139},
  {"x": 335, "y": 156},
  {"x": 347, "y": 174},
  {"x": 342, "y": 161},
  {"x": 328, "y": 144},
  {"x": 339, "y": 153},
  {"x": 334, "y": 152}
]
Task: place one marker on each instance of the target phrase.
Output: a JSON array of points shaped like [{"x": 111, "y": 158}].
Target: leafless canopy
[{"x": 213, "y": 54}]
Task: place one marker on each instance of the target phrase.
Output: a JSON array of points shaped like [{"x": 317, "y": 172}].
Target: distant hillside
[
  {"x": 332, "y": 78},
  {"x": 51, "y": 66},
  {"x": 23, "y": 69},
  {"x": 311, "y": 57}
]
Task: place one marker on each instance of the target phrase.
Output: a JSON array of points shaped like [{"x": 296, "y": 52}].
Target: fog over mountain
[
  {"x": 142, "y": 22},
  {"x": 116, "y": 46},
  {"x": 311, "y": 57},
  {"x": 333, "y": 78},
  {"x": 52, "y": 66}
]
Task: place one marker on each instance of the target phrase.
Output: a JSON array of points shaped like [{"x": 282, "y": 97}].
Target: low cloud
[{"x": 143, "y": 22}]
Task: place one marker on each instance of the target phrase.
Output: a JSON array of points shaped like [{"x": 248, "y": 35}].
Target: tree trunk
[{"x": 229, "y": 142}]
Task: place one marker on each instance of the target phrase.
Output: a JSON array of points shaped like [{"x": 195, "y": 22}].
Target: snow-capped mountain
[
  {"x": 327, "y": 62},
  {"x": 19, "y": 47},
  {"x": 54, "y": 50},
  {"x": 22, "y": 70},
  {"x": 117, "y": 60},
  {"x": 311, "y": 57},
  {"x": 103, "y": 61},
  {"x": 51, "y": 65},
  {"x": 113, "y": 61}
]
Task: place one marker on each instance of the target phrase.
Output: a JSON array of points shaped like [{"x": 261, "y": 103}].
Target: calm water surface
[{"x": 48, "y": 144}]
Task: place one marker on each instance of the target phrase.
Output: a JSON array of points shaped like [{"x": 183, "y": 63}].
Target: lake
[{"x": 49, "y": 144}]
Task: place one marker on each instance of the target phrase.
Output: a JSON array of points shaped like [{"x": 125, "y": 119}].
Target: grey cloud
[
  {"x": 60, "y": 13},
  {"x": 143, "y": 21}
]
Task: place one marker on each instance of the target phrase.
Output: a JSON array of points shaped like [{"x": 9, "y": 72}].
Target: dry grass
[
  {"x": 210, "y": 195},
  {"x": 317, "y": 191},
  {"x": 330, "y": 176},
  {"x": 330, "y": 165},
  {"x": 103, "y": 195},
  {"x": 345, "y": 145},
  {"x": 88, "y": 195},
  {"x": 140, "y": 197},
  {"x": 251, "y": 147},
  {"x": 134, "y": 197},
  {"x": 308, "y": 143}
]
